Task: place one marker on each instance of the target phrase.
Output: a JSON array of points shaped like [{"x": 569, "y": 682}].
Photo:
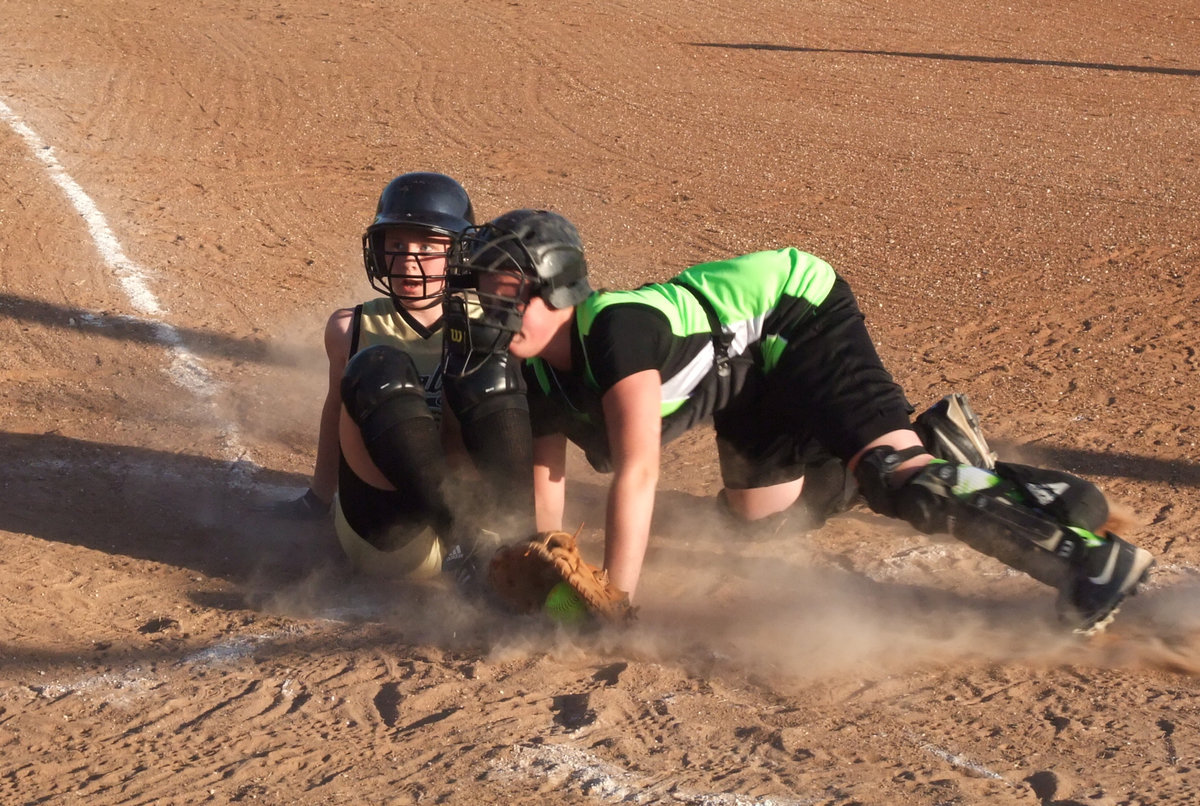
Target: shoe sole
[{"x": 957, "y": 420}]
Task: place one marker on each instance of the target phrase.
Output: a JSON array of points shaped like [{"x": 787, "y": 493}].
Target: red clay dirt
[{"x": 1013, "y": 191}]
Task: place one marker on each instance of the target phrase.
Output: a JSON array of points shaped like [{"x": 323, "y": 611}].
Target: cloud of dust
[
  {"x": 798, "y": 619},
  {"x": 788, "y": 619},
  {"x": 772, "y": 604},
  {"x": 272, "y": 400}
]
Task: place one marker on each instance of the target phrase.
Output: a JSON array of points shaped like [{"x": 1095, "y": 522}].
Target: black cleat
[{"x": 1109, "y": 571}]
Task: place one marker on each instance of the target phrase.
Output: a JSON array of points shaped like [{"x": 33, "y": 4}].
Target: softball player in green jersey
[{"x": 773, "y": 348}]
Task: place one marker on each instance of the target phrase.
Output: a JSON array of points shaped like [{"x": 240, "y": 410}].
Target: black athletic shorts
[{"x": 829, "y": 394}]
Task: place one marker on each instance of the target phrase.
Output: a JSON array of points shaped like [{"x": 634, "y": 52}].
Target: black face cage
[
  {"x": 481, "y": 323},
  {"x": 380, "y": 265}
]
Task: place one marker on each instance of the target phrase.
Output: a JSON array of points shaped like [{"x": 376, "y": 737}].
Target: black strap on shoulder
[
  {"x": 356, "y": 328},
  {"x": 721, "y": 340}
]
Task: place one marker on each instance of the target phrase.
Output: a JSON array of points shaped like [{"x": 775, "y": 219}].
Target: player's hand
[{"x": 308, "y": 507}]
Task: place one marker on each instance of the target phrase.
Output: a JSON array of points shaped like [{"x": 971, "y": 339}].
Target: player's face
[
  {"x": 537, "y": 325},
  {"x": 416, "y": 261},
  {"x": 507, "y": 289}
]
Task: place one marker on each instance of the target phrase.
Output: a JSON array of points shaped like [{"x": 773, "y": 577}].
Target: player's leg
[
  {"x": 949, "y": 429},
  {"x": 852, "y": 402},
  {"x": 493, "y": 416},
  {"x": 761, "y": 467},
  {"x": 786, "y": 437},
  {"x": 756, "y": 503},
  {"x": 1039, "y": 522},
  {"x": 391, "y": 438}
]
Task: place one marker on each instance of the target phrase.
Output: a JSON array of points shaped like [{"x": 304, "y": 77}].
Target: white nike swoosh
[{"x": 1111, "y": 566}]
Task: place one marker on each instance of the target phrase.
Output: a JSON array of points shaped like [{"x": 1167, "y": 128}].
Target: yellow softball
[{"x": 564, "y": 605}]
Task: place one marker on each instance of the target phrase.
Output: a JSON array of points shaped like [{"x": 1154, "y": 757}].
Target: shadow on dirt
[
  {"x": 1112, "y": 465},
  {"x": 186, "y": 511},
  {"x": 958, "y": 57},
  {"x": 177, "y": 509},
  {"x": 191, "y": 511},
  {"x": 145, "y": 331}
]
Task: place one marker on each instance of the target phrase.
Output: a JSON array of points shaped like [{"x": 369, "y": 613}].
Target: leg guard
[
  {"x": 1023, "y": 517},
  {"x": 382, "y": 392},
  {"x": 1062, "y": 497},
  {"x": 975, "y": 506}
]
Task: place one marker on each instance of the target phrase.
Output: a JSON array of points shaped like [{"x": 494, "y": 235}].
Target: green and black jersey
[{"x": 755, "y": 300}]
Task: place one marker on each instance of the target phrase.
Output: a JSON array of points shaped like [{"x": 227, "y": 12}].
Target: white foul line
[{"x": 187, "y": 370}]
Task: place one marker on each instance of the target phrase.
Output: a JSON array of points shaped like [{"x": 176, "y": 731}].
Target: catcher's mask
[
  {"x": 415, "y": 203},
  {"x": 495, "y": 270}
]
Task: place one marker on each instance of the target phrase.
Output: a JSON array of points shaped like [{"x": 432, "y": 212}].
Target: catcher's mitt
[{"x": 523, "y": 573}]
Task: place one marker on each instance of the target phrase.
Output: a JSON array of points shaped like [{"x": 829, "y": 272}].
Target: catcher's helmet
[
  {"x": 423, "y": 201},
  {"x": 540, "y": 250}
]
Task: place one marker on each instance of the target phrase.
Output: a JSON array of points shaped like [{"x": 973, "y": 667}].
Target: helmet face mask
[
  {"x": 407, "y": 264},
  {"x": 404, "y": 248},
  {"x": 494, "y": 272}
]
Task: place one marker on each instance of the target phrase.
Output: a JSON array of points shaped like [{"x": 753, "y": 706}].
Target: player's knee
[
  {"x": 748, "y": 508},
  {"x": 383, "y": 376}
]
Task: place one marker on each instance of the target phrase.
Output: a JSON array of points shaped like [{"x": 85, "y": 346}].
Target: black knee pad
[
  {"x": 875, "y": 474},
  {"x": 499, "y": 377},
  {"x": 382, "y": 375}
]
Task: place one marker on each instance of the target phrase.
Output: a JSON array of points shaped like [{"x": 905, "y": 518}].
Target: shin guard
[
  {"x": 979, "y": 508},
  {"x": 493, "y": 413}
]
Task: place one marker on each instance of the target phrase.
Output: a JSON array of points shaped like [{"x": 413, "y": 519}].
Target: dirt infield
[{"x": 1013, "y": 191}]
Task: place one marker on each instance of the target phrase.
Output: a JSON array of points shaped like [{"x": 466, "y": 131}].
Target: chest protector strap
[{"x": 720, "y": 339}]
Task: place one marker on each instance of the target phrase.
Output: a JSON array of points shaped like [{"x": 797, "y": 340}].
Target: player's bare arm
[
  {"x": 337, "y": 349},
  {"x": 550, "y": 480},
  {"x": 631, "y": 412}
]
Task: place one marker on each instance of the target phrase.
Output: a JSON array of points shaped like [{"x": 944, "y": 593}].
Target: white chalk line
[
  {"x": 187, "y": 370},
  {"x": 136, "y": 680},
  {"x": 566, "y": 767},
  {"x": 956, "y": 759}
]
